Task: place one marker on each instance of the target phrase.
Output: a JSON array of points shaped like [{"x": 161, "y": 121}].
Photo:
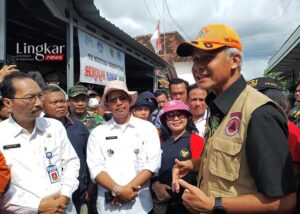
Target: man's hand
[
  {"x": 51, "y": 204},
  {"x": 63, "y": 201},
  {"x": 160, "y": 191},
  {"x": 117, "y": 202},
  {"x": 180, "y": 169},
  {"x": 194, "y": 199},
  {"x": 7, "y": 69},
  {"x": 128, "y": 192},
  {"x": 90, "y": 191}
]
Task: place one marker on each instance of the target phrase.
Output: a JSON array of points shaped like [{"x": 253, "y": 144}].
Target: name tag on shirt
[
  {"x": 111, "y": 138},
  {"x": 11, "y": 146},
  {"x": 53, "y": 173}
]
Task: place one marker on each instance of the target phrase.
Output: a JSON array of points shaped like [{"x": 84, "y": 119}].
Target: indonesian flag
[{"x": 155, "y": 39}]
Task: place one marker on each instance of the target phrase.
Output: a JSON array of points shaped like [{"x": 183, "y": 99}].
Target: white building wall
[{"x": 184, "y": 71}]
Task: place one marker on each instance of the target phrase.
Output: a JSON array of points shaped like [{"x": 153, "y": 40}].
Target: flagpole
[
  {"x": 155, "y": 40},
  {"x": 164, "y": 29},
  {"x": 158, "y": 36}
]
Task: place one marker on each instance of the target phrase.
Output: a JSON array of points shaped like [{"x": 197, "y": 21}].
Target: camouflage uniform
[{"x": 91, "y": 120}]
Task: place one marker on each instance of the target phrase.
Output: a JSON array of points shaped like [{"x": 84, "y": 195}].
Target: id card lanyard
[{"x": 51, "y": 168}]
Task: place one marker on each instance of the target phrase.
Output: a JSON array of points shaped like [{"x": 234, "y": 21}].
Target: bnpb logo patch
[{"x": 232, "y": 126}]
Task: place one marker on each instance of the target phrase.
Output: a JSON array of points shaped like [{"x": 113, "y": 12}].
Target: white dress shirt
[
  {"x": 25, "y": 154},
  {"x": 200, "y": 124},
  {"x": 123, "y": 151}
]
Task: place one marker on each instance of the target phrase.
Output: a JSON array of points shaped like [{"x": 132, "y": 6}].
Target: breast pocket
[
  {"x": 13, "y": 153},
  {"x": 140, "y": 154},
  {"x": 225, "y": 158}
]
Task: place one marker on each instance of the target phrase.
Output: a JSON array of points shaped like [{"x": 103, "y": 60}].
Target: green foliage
[{"x": 284, "y": 84}]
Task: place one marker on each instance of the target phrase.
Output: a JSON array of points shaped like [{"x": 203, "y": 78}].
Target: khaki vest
[{"x": 225, "y": 171}]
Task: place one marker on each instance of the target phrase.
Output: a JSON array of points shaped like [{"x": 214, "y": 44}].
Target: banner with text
[{"x": 99, "y": 62}]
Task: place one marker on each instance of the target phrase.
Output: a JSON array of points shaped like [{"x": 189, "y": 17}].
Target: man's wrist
[
  {"x": 155, "y": 184},
  {"x": 191, "y": 165},
  {"x": 67, "y": 199},
  {"x": 218, "y": 207},
  {"x": 115, "y": 190}
]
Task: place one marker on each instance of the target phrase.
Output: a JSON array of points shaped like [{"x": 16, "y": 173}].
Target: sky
[{"x": 263, "y": 25}]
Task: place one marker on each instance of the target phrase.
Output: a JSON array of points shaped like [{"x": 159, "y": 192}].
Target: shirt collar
[
  {"x": 68, "y": 121},
  {"x": 185, "y": 135},
  {"x": 113, "y": 124},
  {"x": 204, "y": 116},
  {"x": 40, "y": 124},
  {"x": 225, "y": 100}
]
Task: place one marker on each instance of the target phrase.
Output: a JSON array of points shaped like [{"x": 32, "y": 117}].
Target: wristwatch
[
  {"x": 218, "y": 208},
  {"x": 115, "y": 190}
]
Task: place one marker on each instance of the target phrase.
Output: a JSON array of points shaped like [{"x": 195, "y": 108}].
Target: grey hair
[
  {"x": 233, "y": 51},
  {"x": 54, "y": 88}
]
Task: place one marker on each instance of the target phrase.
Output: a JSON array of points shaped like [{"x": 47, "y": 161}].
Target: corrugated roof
[
  {"x": 172, "y": 40},
  {"x": 287, "y": 59},
  {"x": 87, "y": 10}
]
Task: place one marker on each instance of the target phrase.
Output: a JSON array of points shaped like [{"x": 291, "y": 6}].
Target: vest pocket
[
  {"x": 221, "y": 193},
  {"x": 225, "y": 158}
]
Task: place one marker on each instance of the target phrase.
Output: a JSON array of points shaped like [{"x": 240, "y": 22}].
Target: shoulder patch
[
  {"x": 233, "y": 126},
  {"x": 184, "y": 153}
]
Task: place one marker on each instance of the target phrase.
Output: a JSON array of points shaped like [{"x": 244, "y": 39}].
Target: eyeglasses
[
  {"x": 122, "y": 98},
  {"x": 179, "y": 114},
  {"x": 63, "y": 101},
  {"x": 30, "y": 99}
]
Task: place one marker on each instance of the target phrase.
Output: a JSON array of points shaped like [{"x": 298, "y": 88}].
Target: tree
[
  {"x": 286, "y": 85},
  {"x": 280, "y": 81}
]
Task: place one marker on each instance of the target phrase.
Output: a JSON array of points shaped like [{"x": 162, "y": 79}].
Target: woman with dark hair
[
  {"x": 182, "y": 144},
  {"x": 297, "y": 93},
  {"x": 268, "y": 87},
  {"x": 294, "y": 114}
]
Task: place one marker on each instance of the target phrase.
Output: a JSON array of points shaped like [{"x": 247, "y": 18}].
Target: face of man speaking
[{"x": 214, "y": 70}]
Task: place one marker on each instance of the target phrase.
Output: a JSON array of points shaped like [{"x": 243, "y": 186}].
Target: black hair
[
  {"x": 278, "y": 97},
  {"x": 1, "y": 101},
  {"x": 190, "y": 127},
  {"x": 160, "y": 92},
  {"x": 178, "y": 81},
  {"x": 297, "y": 84},
  {"x": 52, "y": 77},
  {"x": 7, "y": 88},
  {"x": 1, "y": 104},
  {"x": 192, "y": 87}
]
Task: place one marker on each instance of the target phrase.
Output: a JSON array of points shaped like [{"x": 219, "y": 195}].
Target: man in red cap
[{"x": 246, "y": 165}]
